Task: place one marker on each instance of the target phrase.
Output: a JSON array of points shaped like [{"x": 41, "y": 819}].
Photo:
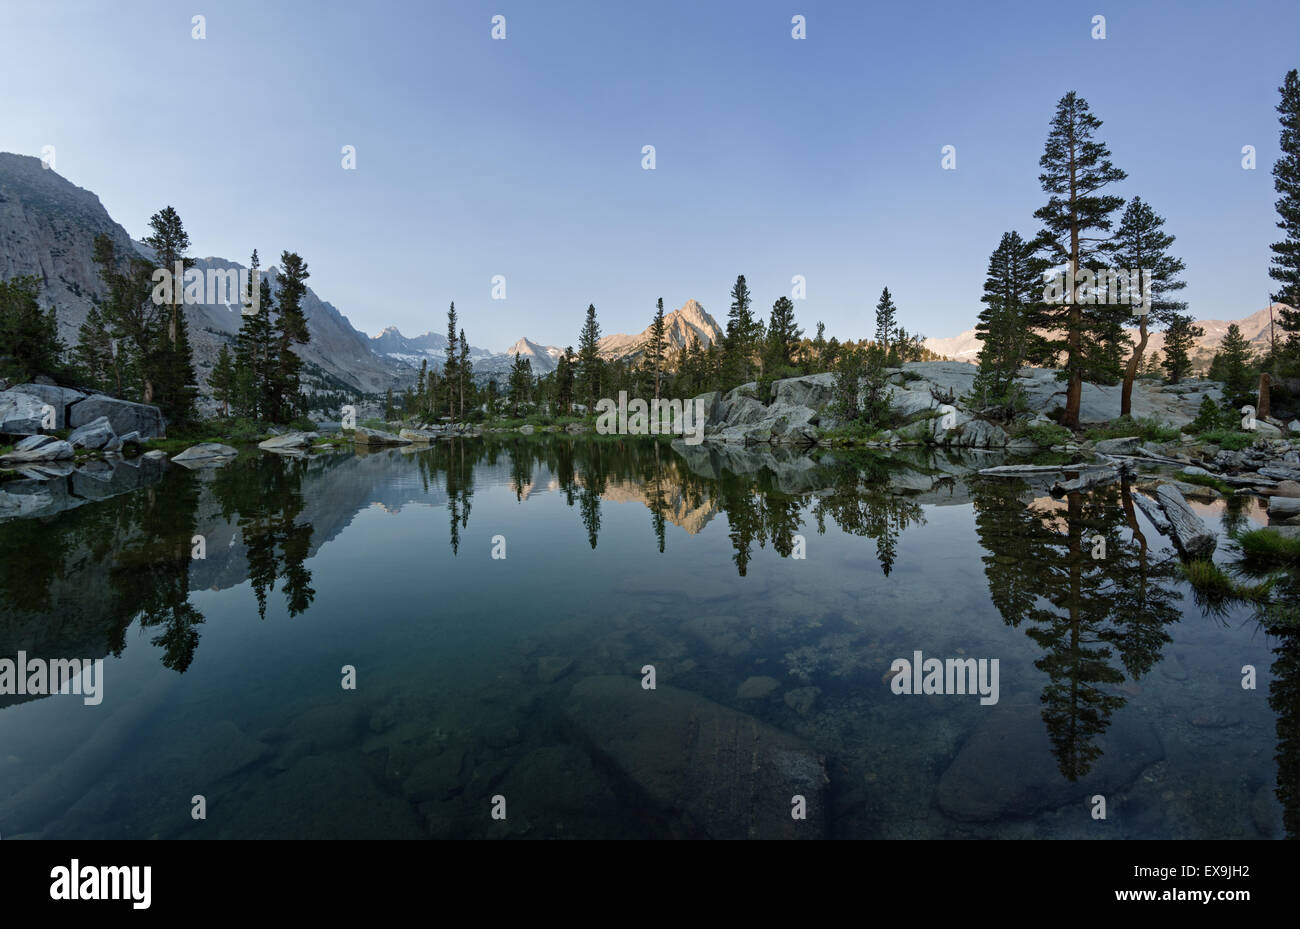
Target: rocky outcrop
[
  {"x": 123, "y": 415},
  {"x": 705, "y": 769}
]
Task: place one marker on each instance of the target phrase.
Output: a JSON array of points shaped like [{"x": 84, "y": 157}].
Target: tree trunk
[
  {"x": 1130, "y": 373},
  {"x": 1262, "y": 405}
]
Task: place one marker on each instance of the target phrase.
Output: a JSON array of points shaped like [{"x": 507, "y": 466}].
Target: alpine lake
[{"x": 458, "y": 641}]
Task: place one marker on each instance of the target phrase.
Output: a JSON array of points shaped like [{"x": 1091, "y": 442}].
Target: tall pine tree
[
  {"x": 1076, "y": 169},
  {"x": 1285, "y": 268},
  {"x": 590, "y": 365}
]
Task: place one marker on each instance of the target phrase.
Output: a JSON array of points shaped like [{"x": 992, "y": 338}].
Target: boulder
[
  {"x": 363, "y": 436},
  {"x": 58, "y": 398},
  {"x": 39, "y": 448},
  {"x": 206, "y": 455},
  {"x": 21, "y": 413},
  {"x": 289, "y": 442},
  {"x": 123, "y": 415},
  {"x": 703, "y": 768},
  {"x": 94, "y": 435},
  {"x": 978, "y": 433}
]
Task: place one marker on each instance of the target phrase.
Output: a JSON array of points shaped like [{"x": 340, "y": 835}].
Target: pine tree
[
  {"x": 175, "y": 382},
  {"x": 133, "y": 318},
  {"x": 782, "y": 338},
  {"x": 390, "y": 412},
  {"x": 169, "y": 242},
  {"x": 222, "y": 379},
  {"x": 290, "y": 330},
  {"x": 654, "y": 350},
  {"x": 1007, "y": 325},
  {"x": 253, "y": 346},
  {"x": 1234, "y": 365},
  {"x": 94, "y": 355},
  {"x": 1076, "y": 168},
  {"x": 464, "y": 376},
  {"x": 1140, "y": 245},
  {"x": 564, "y": 382},
  {"x": 739, "y": 341},
  {"x": 590, "y": 364},
  {"x": 29, "y": 336},
  {"x": 1285, "y": 267},
  {"x": 521, "y": 383},
  {"x": 887, "y": 327},
  {"x": 450, "y": 376},
  {"x": 1179, "y": 338}
]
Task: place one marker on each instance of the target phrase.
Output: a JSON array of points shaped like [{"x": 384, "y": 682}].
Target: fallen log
[
  {"x": 1153, "y": 512},
  {"x": 1019, "y": 470},
  {"x": 1193, "y": 538}
]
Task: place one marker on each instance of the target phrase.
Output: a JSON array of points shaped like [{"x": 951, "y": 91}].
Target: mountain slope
[{"x": 48, "y": 227}]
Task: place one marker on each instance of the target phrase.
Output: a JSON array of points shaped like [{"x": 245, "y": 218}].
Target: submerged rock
[
  {"x": 709, "y": 770},
  {"x": 755, "y": 688}
]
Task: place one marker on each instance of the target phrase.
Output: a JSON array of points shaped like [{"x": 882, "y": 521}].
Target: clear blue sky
[{"x": 522, "y": 157}]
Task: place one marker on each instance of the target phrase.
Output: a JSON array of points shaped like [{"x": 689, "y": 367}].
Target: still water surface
[{"x": 222, "y": 674}]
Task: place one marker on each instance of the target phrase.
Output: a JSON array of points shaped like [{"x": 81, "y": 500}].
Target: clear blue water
[{"x": 222, "y": 675}]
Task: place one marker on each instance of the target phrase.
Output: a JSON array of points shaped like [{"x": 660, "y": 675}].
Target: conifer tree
[
  {"x": 29, "y": 336},
  {"x": 1234, "y": 364},
  {"x": 1140, "y": 245},
  {"x": 1076, "y": 169},
  {"x": 783, "y": 337},
  {"x": 740, "y": 337},
  {"x": 94, "y": 355},
  {"x": 887, "y": 327},
  {"x": 450, "y": 377},
  {"x": 290, "y": 330},
  {"x": 222, "y": 380},
  {"x": 1179, "y": 338},
  {"x": 1285, "y": 267},
  {"x": 654, "y": 349},
  {"x": 1007, "y": 325},
  {"x": 169, "y": 242},
  {"x": 590, "y": 364}
]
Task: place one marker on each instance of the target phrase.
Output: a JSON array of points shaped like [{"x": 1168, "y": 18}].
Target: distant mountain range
[
  {"x": 48, "y": 227},
  {"x": 684, "y": 326},
  {"x": 1255, "y": 328}
]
